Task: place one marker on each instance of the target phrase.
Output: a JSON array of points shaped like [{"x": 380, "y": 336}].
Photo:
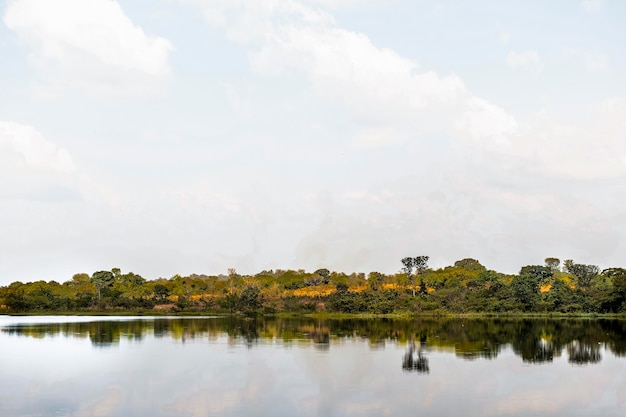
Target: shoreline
[{"x": 324, "y": 315}]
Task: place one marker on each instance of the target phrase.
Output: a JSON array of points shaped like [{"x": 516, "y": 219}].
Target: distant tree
[
  {"x": 249, "y": 301},
  {"x": 618, "y": 287},
  {"x": 102, "y": 280},
  {"x": 407, "y": 268},
  {"x": 161, "y": 292},
  {"x": 117, "y": 273},
  {"x": 79, "y": 278},
  {"x": 584, "y": 273},
  {"x": 325, "y": 274},
  {"x": 470, "y": 264},
  {"x": 525, "y": 286},
  {"x": 553, "y": 263},
  {"x": 375, "y": 280},
  {"x": 421, "y": 264}
]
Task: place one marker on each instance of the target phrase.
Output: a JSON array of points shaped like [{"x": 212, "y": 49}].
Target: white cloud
[
  {"x": 592, "y": 147},
  {"x": 22, "y": 147},
  {"x": 485, "y": 121},
  {"x": 589, "y": 148},
  {"x": 528, "y": 61},
  {"x": 382, "y": 90},
  {"x": 376, "y": 83},
  {"x": 90, "y": 43}
]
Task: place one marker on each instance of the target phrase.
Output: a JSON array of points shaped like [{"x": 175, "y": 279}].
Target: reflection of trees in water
[
  {"x": 534, "y": 349},
  {"x": 615, "y": 331},
  {"x": 100, "y": 333},
  {"x": 317, "y": 331},
  {"x": 414, "y": 359},
  {"x": 583, "y": 353},
  {"x": 534, "y": 340}
]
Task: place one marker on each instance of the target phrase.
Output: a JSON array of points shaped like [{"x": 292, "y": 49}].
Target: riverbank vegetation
[{"x": 464, "y": 287}]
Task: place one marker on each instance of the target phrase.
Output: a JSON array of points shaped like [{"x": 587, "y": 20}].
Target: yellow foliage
[
  {"x": 358, "y": 288},
  {"x": 199, "y": 297},
  {"x": 173, "y": 298},
  {"x": 430, "y": 290},
  {"x": 313, "y": 291},
  {"x": 567, "y": 279},
  {"x": 391, "y": 286},
  {"x": 545, "y": 288}
]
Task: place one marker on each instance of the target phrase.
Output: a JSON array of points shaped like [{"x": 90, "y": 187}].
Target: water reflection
[
  {"x": 166, "y": 367},
  {"x": 414, "y": 359},
  {"x": 535, "y": 341},
  {"x": 583, "y": 353}
]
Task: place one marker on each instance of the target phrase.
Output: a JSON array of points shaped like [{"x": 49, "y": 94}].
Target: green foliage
[
  {"x": 375, "y": 280},
  {"x": 325, "y": 274},
  {"x": 553, "y": 263},
  {"x": 465, "y": 286},
  {"x": 584, "y": 273},
  {"x": 379, "y": 302},
  {"x": 470, "y": 264}
]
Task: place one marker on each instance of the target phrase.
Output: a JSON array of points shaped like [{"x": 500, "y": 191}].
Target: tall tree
[
  {"x": 584, "y": 273},
  {"x": 407, "y": 268},
  {"x": 102, "y": 280},
  {"x": 325, "y": 274},
  {"x": 421, "y": 264},
  {"x": 553, "y": 263}
]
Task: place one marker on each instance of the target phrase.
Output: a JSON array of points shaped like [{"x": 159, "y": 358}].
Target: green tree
[
  {"x": 421, "y": 264},
  {"x": 525, "y": 286},
  {"x": 325, "y": 274},
  {"x": 161, "y": 292},
  {"x": 375, "y": 280},
  {"x": 102, "y": 280},
  {"x": 584, "y": 273},
  {"x": 470, "y": 264},
  {"x": 249, "y": 300},
  {"x": 407, "y": 268},
  {"x": 553, "y": 263}
]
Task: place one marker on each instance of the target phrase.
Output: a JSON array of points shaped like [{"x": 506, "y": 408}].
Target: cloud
[
  {"x": 381, "y": 92},
  {"x": 38, "y": 169},
  {"x": 545, "y": 146},
  {"x": 528, "y": 61},
  {"x": 483, "y": 120},
  {"x": 22, "y": 148},
  {"x": 91, "y": 44},
  {"x": 589, "y": 148},
  {"x": 376, "y": 83}
]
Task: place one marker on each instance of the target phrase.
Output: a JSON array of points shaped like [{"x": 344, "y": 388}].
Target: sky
[{"x": 172, "y": 137}]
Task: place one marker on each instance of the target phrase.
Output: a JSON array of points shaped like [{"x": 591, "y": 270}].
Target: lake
[{"x": 175, "y": 366}]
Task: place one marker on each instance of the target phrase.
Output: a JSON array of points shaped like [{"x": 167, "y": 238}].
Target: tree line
[{"x": 464, "y": 287}]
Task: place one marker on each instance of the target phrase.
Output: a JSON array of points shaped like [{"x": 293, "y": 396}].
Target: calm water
[{"x": 100, "y": 367}]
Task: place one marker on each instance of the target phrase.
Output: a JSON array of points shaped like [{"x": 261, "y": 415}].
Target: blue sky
[{"x": 191, "y": 136}]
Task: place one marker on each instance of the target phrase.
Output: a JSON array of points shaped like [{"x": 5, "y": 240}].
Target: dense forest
[{"x": 465, "y": 287}]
